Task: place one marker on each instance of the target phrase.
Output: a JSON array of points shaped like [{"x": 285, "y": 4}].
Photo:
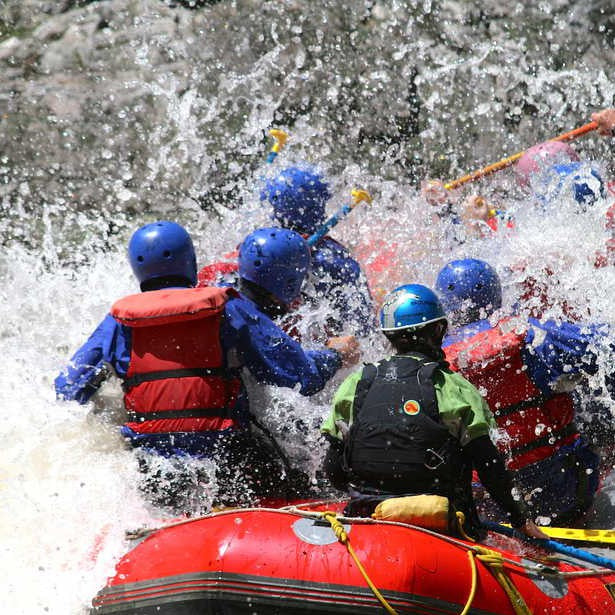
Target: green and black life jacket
[{"x": 397, "y": 443}]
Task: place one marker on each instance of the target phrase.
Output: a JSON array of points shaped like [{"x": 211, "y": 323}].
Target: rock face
[{"x": 116, "y": 108}]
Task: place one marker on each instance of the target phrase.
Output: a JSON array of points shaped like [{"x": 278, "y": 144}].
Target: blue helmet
[
  {"x": 409, "y": 307},
  {"x": 298, "y": 196},
  {"x": 469, "y": 284},
  {"x": 583, "y": 182},
  {"x": 162, "y": 249},
  {"x": 275, "y": 259}
]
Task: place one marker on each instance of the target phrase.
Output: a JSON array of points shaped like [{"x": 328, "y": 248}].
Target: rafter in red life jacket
[
  {"x": 177, "y": 379},
  {"x": 536, "y": 425}
]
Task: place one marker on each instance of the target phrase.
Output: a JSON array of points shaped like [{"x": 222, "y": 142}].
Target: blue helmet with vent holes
[
  {"x": 275, "y": 259},
  {"x": 469, "y": 285},
  {"x": 298, "y": 197},
  {"x": 162, "y": 249}
]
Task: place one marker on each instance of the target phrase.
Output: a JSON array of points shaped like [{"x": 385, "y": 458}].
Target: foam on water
[
  {"x": 68, "y": 483},
  {"x": 66, "y": 479}
]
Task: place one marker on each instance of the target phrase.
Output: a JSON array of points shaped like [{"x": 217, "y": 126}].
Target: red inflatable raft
[{"x": 290, "y": 561}]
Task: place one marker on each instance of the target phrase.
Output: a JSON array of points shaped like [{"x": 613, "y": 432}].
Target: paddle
[
  {"x": 506, "y": 162},
  {"x": 605, "y": 537},
  {"x": 552, "y": 545},
  {"x": 358, "y": 196},
  {"x": 280, "y": 139}
]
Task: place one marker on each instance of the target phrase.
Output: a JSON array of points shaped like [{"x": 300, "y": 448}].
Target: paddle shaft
[
  {"x": 553, "y": 545},
  {"x": 506, "y": 162},
  {"x": 358, "y": 197},
  {"x": 329, "y": 224}
]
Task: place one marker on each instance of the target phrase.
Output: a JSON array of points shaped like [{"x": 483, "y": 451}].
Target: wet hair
[
  {"x": 263, "y": 298},
  {"x": 170, "y": 281},
  {"x": 426, "y": 339}
]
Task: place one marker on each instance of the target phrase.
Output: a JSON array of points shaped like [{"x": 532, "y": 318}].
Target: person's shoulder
[
  {"x": 354, "y": 377},
  {"x": 240, "y": 306},
  {"x": 328, "y": 247},
  {"x": 446, "y": 373},
  {"x": 445, "y": 370},
  {"x": 329, "y": 241},
  {"x": 109, "y": 322},
  {"x": 453, "y": 378}
]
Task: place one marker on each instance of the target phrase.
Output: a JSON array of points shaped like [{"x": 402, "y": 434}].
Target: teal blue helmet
[{"x": 409, "y": 307}]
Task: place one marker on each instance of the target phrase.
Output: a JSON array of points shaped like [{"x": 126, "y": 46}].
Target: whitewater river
[
  {"x": 74, "y": 184},
  {"x": 68, "y": 483}
]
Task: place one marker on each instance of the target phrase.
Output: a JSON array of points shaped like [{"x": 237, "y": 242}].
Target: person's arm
[
  {"x": 461, "y": 407},
  {"x": 489, "y": 464},
  {"x": 606, "y": 122},
  {"x": 434, "y": 192},
  {"x": 558, "y": 355},
  {"x": 273, "y": 357},
  {"x": 87, "y": 370},
  {"x": 335, "y": 427},
  {"x": 465, "y": 412},
  {"x": 338, "y": 422},
  {"x": 493, "y": 475}
]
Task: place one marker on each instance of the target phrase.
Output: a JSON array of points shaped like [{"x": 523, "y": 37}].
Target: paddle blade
[{"x": 580, "y": 535}]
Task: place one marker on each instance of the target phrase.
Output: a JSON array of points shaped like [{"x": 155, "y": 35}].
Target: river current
[{"x": 67, "y": 483}]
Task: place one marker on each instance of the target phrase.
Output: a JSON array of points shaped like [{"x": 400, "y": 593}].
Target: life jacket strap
[
  {"x": 547, "y": 440},
  {"x": 538, "y": 400},
  {"x": 190, "y": 372},
  {"x": 192, "y": 413}
]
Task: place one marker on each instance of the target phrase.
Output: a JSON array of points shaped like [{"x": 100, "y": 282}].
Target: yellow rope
[
  {"x": 461, "y": 519},
  {"x": 494, "y": 560},
  {"x": 490, "y": 558},
  {"x": 473, "y": 585},
  {"x": 342, "y": 536}
]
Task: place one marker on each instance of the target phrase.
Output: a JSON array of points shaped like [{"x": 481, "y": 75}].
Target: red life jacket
[
  {"x": 213, "y": 274},
  {"x": 536, "y": 424},
  {"x": 177, "y": 380}
]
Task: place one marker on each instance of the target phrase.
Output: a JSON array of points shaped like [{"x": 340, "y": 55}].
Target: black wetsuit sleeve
[
  {"x": 489, "y": 464},
  {"x": 333, "y": 466}
]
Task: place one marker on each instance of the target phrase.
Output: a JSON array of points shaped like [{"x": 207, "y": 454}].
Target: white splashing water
[{"x": 68, "y": 484}]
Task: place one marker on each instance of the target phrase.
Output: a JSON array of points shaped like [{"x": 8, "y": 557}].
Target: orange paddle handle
[{"x": 506, "y": 162}]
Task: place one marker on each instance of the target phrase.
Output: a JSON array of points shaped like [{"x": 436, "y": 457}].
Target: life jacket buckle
[{"x": 433, "y": 459}]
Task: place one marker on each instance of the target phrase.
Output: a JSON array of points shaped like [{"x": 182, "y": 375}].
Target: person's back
[
  {"x": 526, "y": 370},
  {"x": 177, "y": 385},
  {"x": 179, "y": 389},
  {"x": 179, "y": 349},
  {"x": 408, "y": 426},
  {"x": 388, "y": 452}
]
